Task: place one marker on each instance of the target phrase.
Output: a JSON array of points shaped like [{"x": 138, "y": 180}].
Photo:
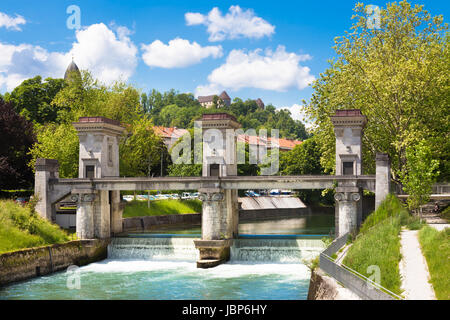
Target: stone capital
[
  {"x": 211, "y": 196},
  {"x": 347, "y": 196}
]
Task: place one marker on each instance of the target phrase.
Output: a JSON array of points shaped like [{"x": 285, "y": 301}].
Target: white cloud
[
  {"x": 194, "y": 18},
  {"x": 237, "y": 23},
  {"x": 107, "y": 56},
  {"x": 10, "y": 22},
  {"x": 98, "y": 49},
  {"x": 298, "y": 113},
  {"x": 178, "y": 53},
  {"x": 272, "y": 70}
]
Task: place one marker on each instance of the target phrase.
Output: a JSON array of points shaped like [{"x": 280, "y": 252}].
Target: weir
[{"x": 266, "y": 249}]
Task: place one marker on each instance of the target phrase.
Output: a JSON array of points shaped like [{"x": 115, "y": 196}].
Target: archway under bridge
[{"x": 97, "y": 189}]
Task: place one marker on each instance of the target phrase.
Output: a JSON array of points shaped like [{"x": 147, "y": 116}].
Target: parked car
[
  {"x": 186, "y": 196},
  {"x": 128, "y": 198},
  {"x": 175, "y": 196},
  {"x": 251, "y": 193},
  {"x": 274, "y": 192},
  {"x": 21, "y": 200},
  {"x": 194, "y": 195}
]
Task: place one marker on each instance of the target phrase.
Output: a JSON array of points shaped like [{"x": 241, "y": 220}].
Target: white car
[
  {"x": 186, "y": 196},
  {"x": 128, "y": 198}
]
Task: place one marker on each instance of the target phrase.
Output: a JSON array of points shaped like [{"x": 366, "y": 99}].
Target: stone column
[
  {"x": 232, "y": 207},
  {"x": 46, "y": 169},
  {"x": 383, "y": 177},
  {"x": 347, "y": 203},
  {"x": 102, "y": 223},
  {"x": 214, "y": 215},
  {"x": 85, "y": 214},
  {"x": 116, "y": 212},
  {"x": 214, "y": 247}
]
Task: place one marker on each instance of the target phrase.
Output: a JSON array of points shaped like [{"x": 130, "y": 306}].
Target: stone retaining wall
[
  {"x": 30, "y": 263},
  {"x": 148, "y": 222}
]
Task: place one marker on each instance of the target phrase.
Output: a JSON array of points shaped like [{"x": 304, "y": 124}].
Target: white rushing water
[{"x": 242, "y": 250}]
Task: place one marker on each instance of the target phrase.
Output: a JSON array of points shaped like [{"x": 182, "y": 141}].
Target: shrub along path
[{"x": 414, "y": 269}]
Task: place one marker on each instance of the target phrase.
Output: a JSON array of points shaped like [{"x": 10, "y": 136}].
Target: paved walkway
[
  {"x": 440, "y": 226},
  {"x": 414, "y": 269}
]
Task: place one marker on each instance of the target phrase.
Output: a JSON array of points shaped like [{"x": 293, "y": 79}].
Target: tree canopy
[
  {"x": 398, "y": 76},
  {"x": 172, "y": 109},
  {"x": 16, "y": 138}
]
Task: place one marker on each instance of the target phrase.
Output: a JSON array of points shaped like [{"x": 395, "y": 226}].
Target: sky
[{"x": 271, "y": 50}]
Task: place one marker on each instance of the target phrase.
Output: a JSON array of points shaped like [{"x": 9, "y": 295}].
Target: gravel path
[{"x": 414, "y": 269}]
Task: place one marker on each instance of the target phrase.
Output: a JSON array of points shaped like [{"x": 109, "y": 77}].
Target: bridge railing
[{"x": 364, "y": 287}]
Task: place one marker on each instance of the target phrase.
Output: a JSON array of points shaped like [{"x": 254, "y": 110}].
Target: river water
[{"x": 148, "y": 266}]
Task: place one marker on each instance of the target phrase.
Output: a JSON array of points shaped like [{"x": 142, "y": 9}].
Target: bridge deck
[{"x": 232, "y": 182}]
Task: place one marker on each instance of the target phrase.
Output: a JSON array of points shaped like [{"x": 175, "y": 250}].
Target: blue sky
[{"x": 252, "y": 49}]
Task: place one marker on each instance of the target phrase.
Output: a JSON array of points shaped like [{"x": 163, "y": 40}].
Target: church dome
[{"x": 70, "y": 69}]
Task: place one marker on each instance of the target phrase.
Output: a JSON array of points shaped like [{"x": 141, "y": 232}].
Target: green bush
[
  {"x": 446, "y": 213},
  {"x": 390, "y": 207},
  {"x": 436, "y": 249},
  {"x": 21, "y": 227}
]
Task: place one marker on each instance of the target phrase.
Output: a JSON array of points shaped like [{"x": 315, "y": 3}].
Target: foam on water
[{"x": 225, "y": 271}]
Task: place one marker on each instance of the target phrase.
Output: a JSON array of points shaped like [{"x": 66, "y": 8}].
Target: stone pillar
[
  {"x": 102, "y": 218},
  {"x": 116, "y": 212},
  {"x": 383, "y": 177},
  {"x": 232, "y": 207},
  {"x": 347, "y": 199},
  {"x": 214, "y": 247},
  {"x": 99, "y": 158},
  {"x": 46, "y": 169},
  {"x": 85, "y": 214},
  {"x": 220, "y": 214}
]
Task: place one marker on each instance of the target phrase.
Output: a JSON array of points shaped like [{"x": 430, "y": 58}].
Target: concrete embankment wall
[
  {"x": 323, "y": 287},
  {"x": 30, "y": 263},
  {"x": 149, "y": 222}
]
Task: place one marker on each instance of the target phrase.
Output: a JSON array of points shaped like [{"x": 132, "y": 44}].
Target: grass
[
  {"x": 445, "y": 214},
  {"x": 378, "y": 243},
  {"x": 436, "y": 249},
  {"x": 21, "y": 227},
  {"x": 161, "y": 207}
]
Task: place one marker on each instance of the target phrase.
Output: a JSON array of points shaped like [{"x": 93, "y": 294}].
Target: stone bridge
[{"x": 97, "y": 190}]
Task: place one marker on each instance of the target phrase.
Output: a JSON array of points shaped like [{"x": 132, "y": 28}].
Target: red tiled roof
[
  {"x": 169, "y": 133},
  {"x": 224, "y": 96},
  {"x": 98, "y": 119},
  {"x": 176, "y": 133},
  {"x": 348, "y": 113},
  {"x": 282, "y": 143},
  {"x": 202, "y": 99},
  {"x": 218, "y": 116}
]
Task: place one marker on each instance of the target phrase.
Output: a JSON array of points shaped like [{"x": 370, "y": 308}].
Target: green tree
[
  {"x": 58, "y": 142},
  {"x": 32, "y": 99},
  {"x": 16, "y": 137},
  {"x": 142, "y": 150},
  {"x": 304, "y": 159},
  {"x": 397, "y": 75},
  {"x": 419, "y": 174},
  {"x": 85, "y": 96}
]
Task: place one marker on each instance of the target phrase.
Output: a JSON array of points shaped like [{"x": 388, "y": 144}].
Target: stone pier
[
  {"x": 382, "y": 178},
  {"x": 220, "y": 214},
  {"x": 46, "y": 169}
]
